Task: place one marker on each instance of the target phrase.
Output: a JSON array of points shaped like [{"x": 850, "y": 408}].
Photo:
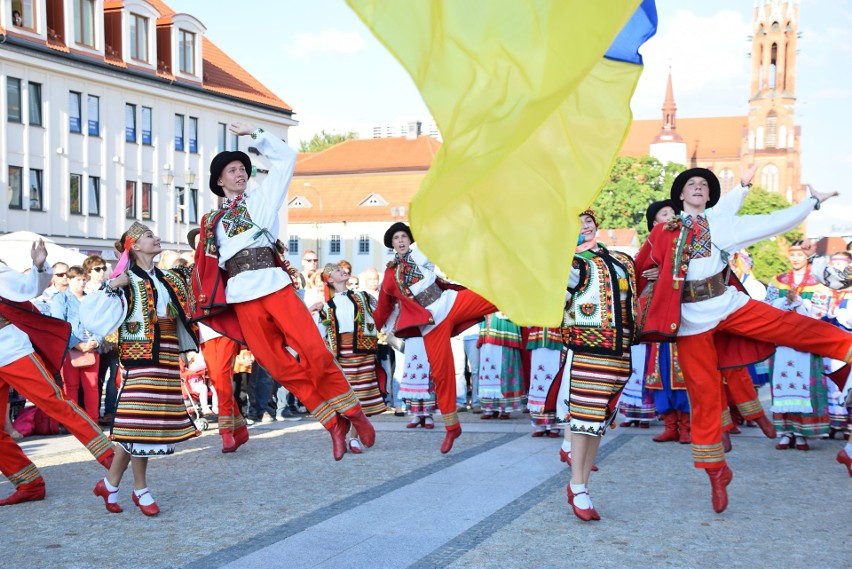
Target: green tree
[
  {"x": 769, "y": 256},
  {"x": 323, "y": 140},
  {"x": 634, "y": 183}
]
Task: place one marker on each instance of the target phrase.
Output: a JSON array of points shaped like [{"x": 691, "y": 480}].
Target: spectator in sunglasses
[
  {"x": 59, "y": 283},
  {"x": 95, "y": 269}
]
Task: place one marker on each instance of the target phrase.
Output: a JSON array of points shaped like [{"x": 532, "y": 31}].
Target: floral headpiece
[
  {"x": 591, "y": 213},
  {"x": 124, "y": 244}
]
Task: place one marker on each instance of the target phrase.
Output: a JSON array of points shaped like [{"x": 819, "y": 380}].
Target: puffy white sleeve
[
  {"x": 103, "y": 311},
  {"x": 19, "y": 287}
]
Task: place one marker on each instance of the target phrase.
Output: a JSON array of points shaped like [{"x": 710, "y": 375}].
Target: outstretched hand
[
  {"x": 241, "y": 128},
  {"x": 822, "y": 196},
  {"x": 747, "y": 175},
  {"x": 38, "y": 253}
]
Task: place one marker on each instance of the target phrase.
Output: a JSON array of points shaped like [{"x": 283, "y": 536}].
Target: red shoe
[
  {"x": 537, "y": 434},
  {"x": 595, "y": 515},
  {"x": 338, "y": 436},
  {"x": 803, "y": 446},
  {"x": 670, "y": 432},
  {"x": 425, "y": 424},
  {"x": 626, "y": 424},
  {"x": 554, "y": 434},
  {"x": 503, "y": 416},
  {"x": 766, "y": 426},
  {"x": 231, "y": 442},
  {"x": 487, "y": 416},
  {"x": 366, "y": 432},
  {"x": 101, "y": 490},
  {"x": 643, "y": 425},
  {"x": 452, "y": 435},
  {"x": 584, "y": 514},
  {"x": 355, "y": 446},
  {"x": 784, "y": 443},
  {"x": 719, "y": 480},
  {"x": 415, "y": 422},
  {"x": 844, "y": 458},
  {"x": 150, "y": 510},
  {"x": 26, "y": 492}
]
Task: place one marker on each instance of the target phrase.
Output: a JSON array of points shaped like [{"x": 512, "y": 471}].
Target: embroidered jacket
[
  {"x": 592, "y": 321},
  {"x": 365, "y": 340},
  {"x": 138, "y": 334}
]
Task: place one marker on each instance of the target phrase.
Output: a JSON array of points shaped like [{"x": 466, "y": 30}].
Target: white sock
[
  {"x": 566, "y": 445},
  {"x": 801, "y": 441},
  {"x": 540, "y": 429},
  {"x": 582, "y": 501},
  {"x": 145, "y": 500},
  {"x": 786, "y": 439},
  {"x": 113, "y": 492},
  {"x": 429, "y": 420},
  {"x": 848, "y": 449}
]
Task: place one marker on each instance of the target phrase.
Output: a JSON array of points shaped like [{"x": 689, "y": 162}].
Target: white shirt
[
  {"x": 18, "y": 287},
  {"x": 263, "y": 204},
  {"x": 344, "y": 313},
  {"x": 730, "y": 232},
  {"x": 442, "y": 306}
]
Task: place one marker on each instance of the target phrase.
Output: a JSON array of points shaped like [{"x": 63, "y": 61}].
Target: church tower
[
  {"x": 772, "y": 138},
  {"x": 668, "y": 145}
]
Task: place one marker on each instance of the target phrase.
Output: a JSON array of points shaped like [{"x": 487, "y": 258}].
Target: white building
[{"x": 112, "y": 111}]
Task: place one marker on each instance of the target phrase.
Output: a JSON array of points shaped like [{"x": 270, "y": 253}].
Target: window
[
  {"x": 293, "y": 245},
  {"x": 222, "y": 131},
  {"x": 138, "y": 37},
  {"x": 23, "y": 14},
  {"x": 193, "y": 205},
  {"x": 193, "y": 135},
  {"x": 94, "y": 196},
  {"x": 771, "y": 130},
  {"x": 364, "y": 245},
  {"x": 186, "y": 52},
  {"x": 180, "y": 200},
  {"x": 13, "y": 99},
  {"x": 235, "y": 142},
  {"x": 769, "y": 177},
  {"x": 726, "y": 179},
  {"x": 74, "y": 112},
  {"x": 759, "y": 138},
  {"x": 34, "y": 90},
  {"x": 84, "y": 22},
  {"x": 94, "y": 109},
  {"x": 147, "y": 189},
  {"x": 130, "y": 200},
  {"x": 178, "y": 132},
  {"x": 334, "y": 245},
  {"x": 129, "y": 123},
  {"x": 16, "y": 188},
  {"x": 146, "y": 126},
  {"x": 36, "y": 190},
  {"x": 75, "y": 198}
]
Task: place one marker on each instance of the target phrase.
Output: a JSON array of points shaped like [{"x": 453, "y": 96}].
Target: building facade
[{"x": 112, "y": 111}]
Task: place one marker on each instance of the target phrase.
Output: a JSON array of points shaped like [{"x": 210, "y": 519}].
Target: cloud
[
  {"x": 710, "y": 68},
  {"x": 327, "y": 41}
]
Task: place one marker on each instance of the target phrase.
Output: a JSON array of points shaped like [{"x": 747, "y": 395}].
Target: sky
[{"x": 324, "y": 62}]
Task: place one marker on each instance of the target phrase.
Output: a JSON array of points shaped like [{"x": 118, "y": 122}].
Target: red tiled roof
[
  {"x": 708, "y": 138},
  {"x": 370, "y": 155}
]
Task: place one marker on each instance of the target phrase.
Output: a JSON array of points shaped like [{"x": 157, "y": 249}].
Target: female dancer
[
  {"x": 430, "y": 307},
  {"x": 351, "y": 335},
  {"x": 598, "y": 329},
  {"x": 149, "y": 307}
]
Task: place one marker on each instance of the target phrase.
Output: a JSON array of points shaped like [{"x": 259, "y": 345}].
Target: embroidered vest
[{"x": 365, "y": 339}]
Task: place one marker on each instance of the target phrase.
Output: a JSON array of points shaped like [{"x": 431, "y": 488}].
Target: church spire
[{"x": 669, "y": 106}]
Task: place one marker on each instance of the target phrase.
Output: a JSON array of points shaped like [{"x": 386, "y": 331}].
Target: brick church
[{"x": 767, "y": 135}]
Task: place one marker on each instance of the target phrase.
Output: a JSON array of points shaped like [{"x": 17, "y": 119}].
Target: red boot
[
  {"x": 683, "y": 427},
  {"x": 670, "y": 433},
  {"x": 338, "y": 436},
  {"x": 366, "y": 432},
  {"x": 719, "y": 480},
  {"x": 844, "y": 458},
  {"x": 449, "y": 438},
  {"x": 27, "y": 492}
]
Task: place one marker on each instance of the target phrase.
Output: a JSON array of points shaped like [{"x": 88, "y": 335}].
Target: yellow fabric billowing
[{"x": 532, "y": 117}]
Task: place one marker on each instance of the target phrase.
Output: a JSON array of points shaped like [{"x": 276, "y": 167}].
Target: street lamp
[{"x": 317, "y": 223}]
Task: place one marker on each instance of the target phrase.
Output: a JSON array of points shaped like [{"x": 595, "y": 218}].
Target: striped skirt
[
  {"x": 360, "y": 372},
  {"x": 151, "y": 417}
]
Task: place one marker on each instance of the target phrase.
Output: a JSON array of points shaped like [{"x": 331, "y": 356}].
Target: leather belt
[
  {"x": 250, "y": 260},
  {"x": 431, "y": 294},
  {"x": 705, "y": 289}
]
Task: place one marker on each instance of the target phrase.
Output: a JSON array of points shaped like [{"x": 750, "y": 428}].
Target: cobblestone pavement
[{"x": 497, "y": 500}]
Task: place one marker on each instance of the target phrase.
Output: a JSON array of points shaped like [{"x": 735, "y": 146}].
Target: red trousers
[
  {"x": 758, "y": 320},
  {"x": 468, "y": 306},
  {"x": 743, "y": 395},
  {"x": 280, "y": 320},
  {"x": 29, "y": 378},
  {"x": 219, "y": 354},
  {"x": 73, "y": 377}
]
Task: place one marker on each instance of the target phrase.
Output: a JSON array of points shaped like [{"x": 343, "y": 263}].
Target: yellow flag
[{"x": 532, "y": 115}]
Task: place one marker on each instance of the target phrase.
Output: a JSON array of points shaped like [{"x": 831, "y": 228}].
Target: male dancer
[
  {"x": 692, "y": 303},
  {"x": 245, "y": 291},
  {"x": 32, "y": 347}
]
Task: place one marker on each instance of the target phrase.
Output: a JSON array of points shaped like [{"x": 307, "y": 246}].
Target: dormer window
[
  {"x": 186, "y": 52},
  {"x": 23, "y": 14},
  {"x": 300, "y": 202},
  {"x": 138, "y": 37},
  {"x": 374, "y": 200},
  {"x": 84, "y": 22}
]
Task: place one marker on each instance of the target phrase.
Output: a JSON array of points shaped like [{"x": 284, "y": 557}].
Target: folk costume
[
  {"x": 637, "y": 401},
  {"x": 32, "y": 350},
  {"x": 545, "y": 346},
  {"x": 245, "y": 291},
  {"x": 500, "y": 370},
  {"x": 665, "y": 381},
  {"x": 416, "y": 386},
  {"x": 413, "y": 301},
  {"x": 716, "y": 324}
]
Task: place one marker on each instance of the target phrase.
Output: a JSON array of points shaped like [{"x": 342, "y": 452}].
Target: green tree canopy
[
  {"x": 634, "y": 183},
  {"x": 769, "y": 256},
  {"x": 323, "y": 140}
]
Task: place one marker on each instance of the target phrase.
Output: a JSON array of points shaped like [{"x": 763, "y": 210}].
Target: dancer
[
  {"x": 32, "y": 348},
  {"x": 351, "y": 335},
  {"x": 245, "y": 290},
  {"x": 500, "y": 369},
  {"x": 149, "y": 307},
  {"x": 431, "y": 307},
  {"x": 598, "y": 330},
  {"x": 714, "y": 323},
  {"x": 545, "y": 345}
]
